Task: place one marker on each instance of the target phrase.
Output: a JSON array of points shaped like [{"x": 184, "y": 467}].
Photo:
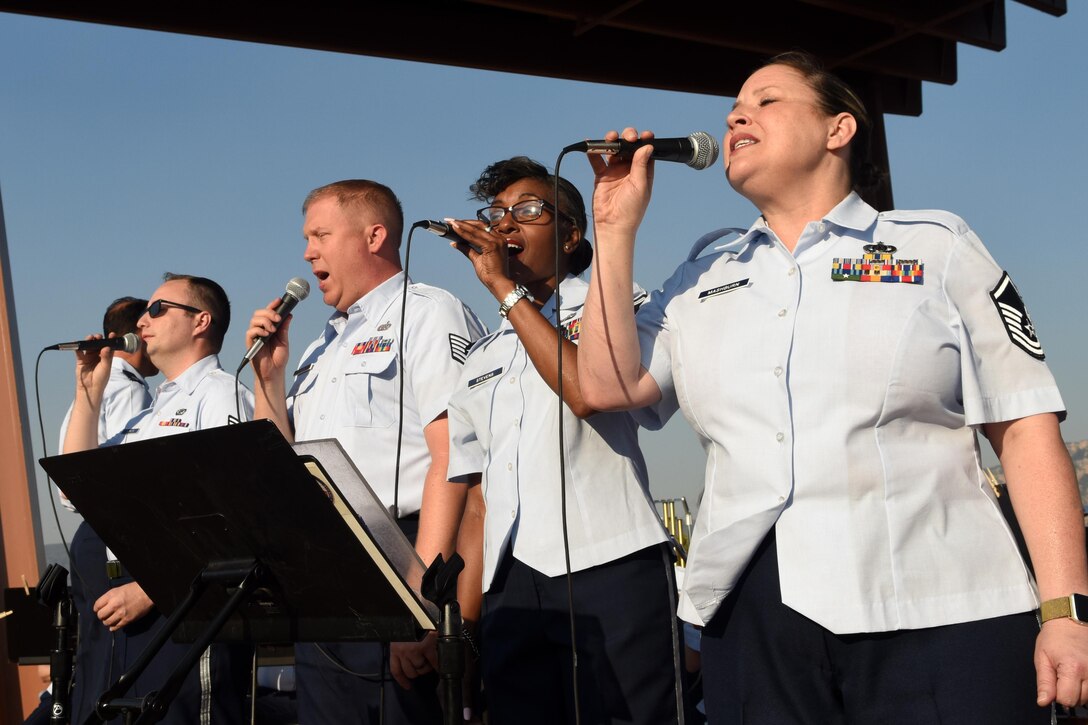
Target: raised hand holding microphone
[
  {"x": 272, "y": 317},
  {"x": 699, "y": 150},
  {"x": 623, "y": 184},
  {"x": 126, "y": 343},
  {"x": 94, "y": 360},
  {"x": 486, "y": 248}
]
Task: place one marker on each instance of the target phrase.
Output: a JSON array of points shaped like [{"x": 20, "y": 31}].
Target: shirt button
[
  {"x": 780, "y": 437},
  {"x": 821, "y": 227},
  {"x": 513, "y": 513},
  {"x": 322, "y": 416},
  {"x": 782, "y": 312},
  {"x": 509, "y": 466},
  {"x": 512, "y": 379},
  {"x": 793, "y": 271},
  {"x": 777, "y": 372},
  {"x": 781, "y": 499},
  {"x": 334, "y": 380}
]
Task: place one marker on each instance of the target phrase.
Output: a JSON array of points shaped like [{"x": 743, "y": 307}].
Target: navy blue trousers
[
  {"x": 765, "y": 663},
  {"x": 102, "y": 656},
  {"x": 94, "y": 653},
  {"x": 623, "y": 620},
  {"x": 342, "y": 683}
]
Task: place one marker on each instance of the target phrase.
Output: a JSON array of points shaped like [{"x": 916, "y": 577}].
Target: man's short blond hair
[{"x": 362, "y": 196}]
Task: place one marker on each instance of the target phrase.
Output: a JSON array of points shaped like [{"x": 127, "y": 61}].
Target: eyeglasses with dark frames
[
  {"x": 524, "y": 211},
  {"x": 158, "y": 308}
]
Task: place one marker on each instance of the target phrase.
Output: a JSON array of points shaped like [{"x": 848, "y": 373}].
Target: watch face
[{"x": 1080, "y": 608}]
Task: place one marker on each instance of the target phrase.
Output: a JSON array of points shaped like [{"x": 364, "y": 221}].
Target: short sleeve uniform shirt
[
  {"x": 837, "y": 391},
  {"x": 504, "y": 424},
  {"x": 348, "y": 385}
]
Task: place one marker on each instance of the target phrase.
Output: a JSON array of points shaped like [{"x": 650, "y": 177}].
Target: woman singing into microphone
[
  {"x": 850, "y": 562},
  {"x": 503, "y": 420}
]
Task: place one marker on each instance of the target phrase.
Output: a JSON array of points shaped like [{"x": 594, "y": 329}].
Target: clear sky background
[{"x": 126, "y": 153}]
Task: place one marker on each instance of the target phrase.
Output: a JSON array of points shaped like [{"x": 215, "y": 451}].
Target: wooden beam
[{"x": 20, "y": 532}]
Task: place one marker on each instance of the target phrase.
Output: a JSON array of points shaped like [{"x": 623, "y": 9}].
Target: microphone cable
[
  {"x": 49, "y": 483},
  {"x": 237, "y": 399},
  {"x": 562, "y": 449},
  {"x": 73, "y": 568},
  {"x": 400, "y": 380},
  {"x": 670, "y": 580}
]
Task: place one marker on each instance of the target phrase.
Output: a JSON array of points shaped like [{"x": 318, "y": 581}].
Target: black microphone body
[
  {"x": 297, "y": 290},
  {"x": 128, "y": 342},
  {"x": 699, "y": 150},
  {"x": 445, "y": 231}
]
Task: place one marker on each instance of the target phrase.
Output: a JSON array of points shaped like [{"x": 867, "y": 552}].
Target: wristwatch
[
  {"x": 519, "y": 293},
  {"x": 1074, "y": 606}
]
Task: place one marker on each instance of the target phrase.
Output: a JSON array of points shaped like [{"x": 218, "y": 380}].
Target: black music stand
[{"x": 238, "y": 537}]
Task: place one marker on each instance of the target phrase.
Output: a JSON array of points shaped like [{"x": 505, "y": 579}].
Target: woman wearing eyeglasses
[{"x": 503, "y": 428}]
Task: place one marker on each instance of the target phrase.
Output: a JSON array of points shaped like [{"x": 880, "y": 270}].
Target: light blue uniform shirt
[
  {"x": 845, "y": 411},
  {"x": 347, "y": 386},
  {"x": 126, "y": 394},
  {"x": 504, "y": 424},
  {"x": 201, "y": 397}
]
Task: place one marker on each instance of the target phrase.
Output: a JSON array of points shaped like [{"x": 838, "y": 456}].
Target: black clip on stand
[
  {"x": 53, "y": 592},
  {"x": 238, "y": 576},
  {"x": 440, "y": 586}
]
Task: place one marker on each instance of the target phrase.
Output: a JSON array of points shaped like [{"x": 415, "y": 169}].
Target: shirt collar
[
  {"x": 572, "y": 292},
  {"x": 125, "y": 368},
  {"x": 192, "y": 376},
  {"x": 375, "y": 302},
  {"x": 368, "y": 307},
  {"x": 850, "y": 213}
]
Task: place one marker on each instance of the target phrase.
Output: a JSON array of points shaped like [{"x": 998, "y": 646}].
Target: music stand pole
[{"x": 152, "y": 707}]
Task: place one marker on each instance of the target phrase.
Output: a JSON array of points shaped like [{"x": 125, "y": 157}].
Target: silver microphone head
[
  {"x": 131, "y": 344},
  {"x": 705, "y": 150},
  {"x": 298, "y": 288}
]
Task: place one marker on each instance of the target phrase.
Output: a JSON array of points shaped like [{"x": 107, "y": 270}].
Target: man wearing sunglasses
[
  {"x": 183, "y": 329},
  {"x": 347, "y": 386}
]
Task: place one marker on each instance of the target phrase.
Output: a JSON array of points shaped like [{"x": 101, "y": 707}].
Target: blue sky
[{"x": 125, "y": 154}]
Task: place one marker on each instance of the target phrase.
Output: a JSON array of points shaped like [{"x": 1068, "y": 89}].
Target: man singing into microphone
[
  {"x": 125, "y": 395},
  {"x": 348, "y": 386},
  {"x": 183, "y": 329}
]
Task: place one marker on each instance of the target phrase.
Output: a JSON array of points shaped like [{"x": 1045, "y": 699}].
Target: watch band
[
  {"x": 516, "y": 295},
  {"x": 1074, "y": 606}
]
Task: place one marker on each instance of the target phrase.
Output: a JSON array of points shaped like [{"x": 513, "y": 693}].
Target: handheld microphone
[
  {"x": 128, "y": 342},
  {"x": 445, "y": 231},
  {"x": 297, "y": 290},
  {"x": 699, "y": 150}
]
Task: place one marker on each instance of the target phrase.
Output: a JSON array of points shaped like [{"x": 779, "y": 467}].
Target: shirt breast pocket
[
  {"x": 371, "y": 383},
  {"x": 302, "y": 385}
]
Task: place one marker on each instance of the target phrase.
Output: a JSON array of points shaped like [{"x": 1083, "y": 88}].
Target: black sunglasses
[
  {"x": 524, "y": 211},
  {"x": 158, "y": 308}
]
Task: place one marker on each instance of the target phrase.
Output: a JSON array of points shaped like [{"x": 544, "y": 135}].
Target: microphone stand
[
  {"x": 53, "y": 592},
  {"x": 439, "y": 585}
]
